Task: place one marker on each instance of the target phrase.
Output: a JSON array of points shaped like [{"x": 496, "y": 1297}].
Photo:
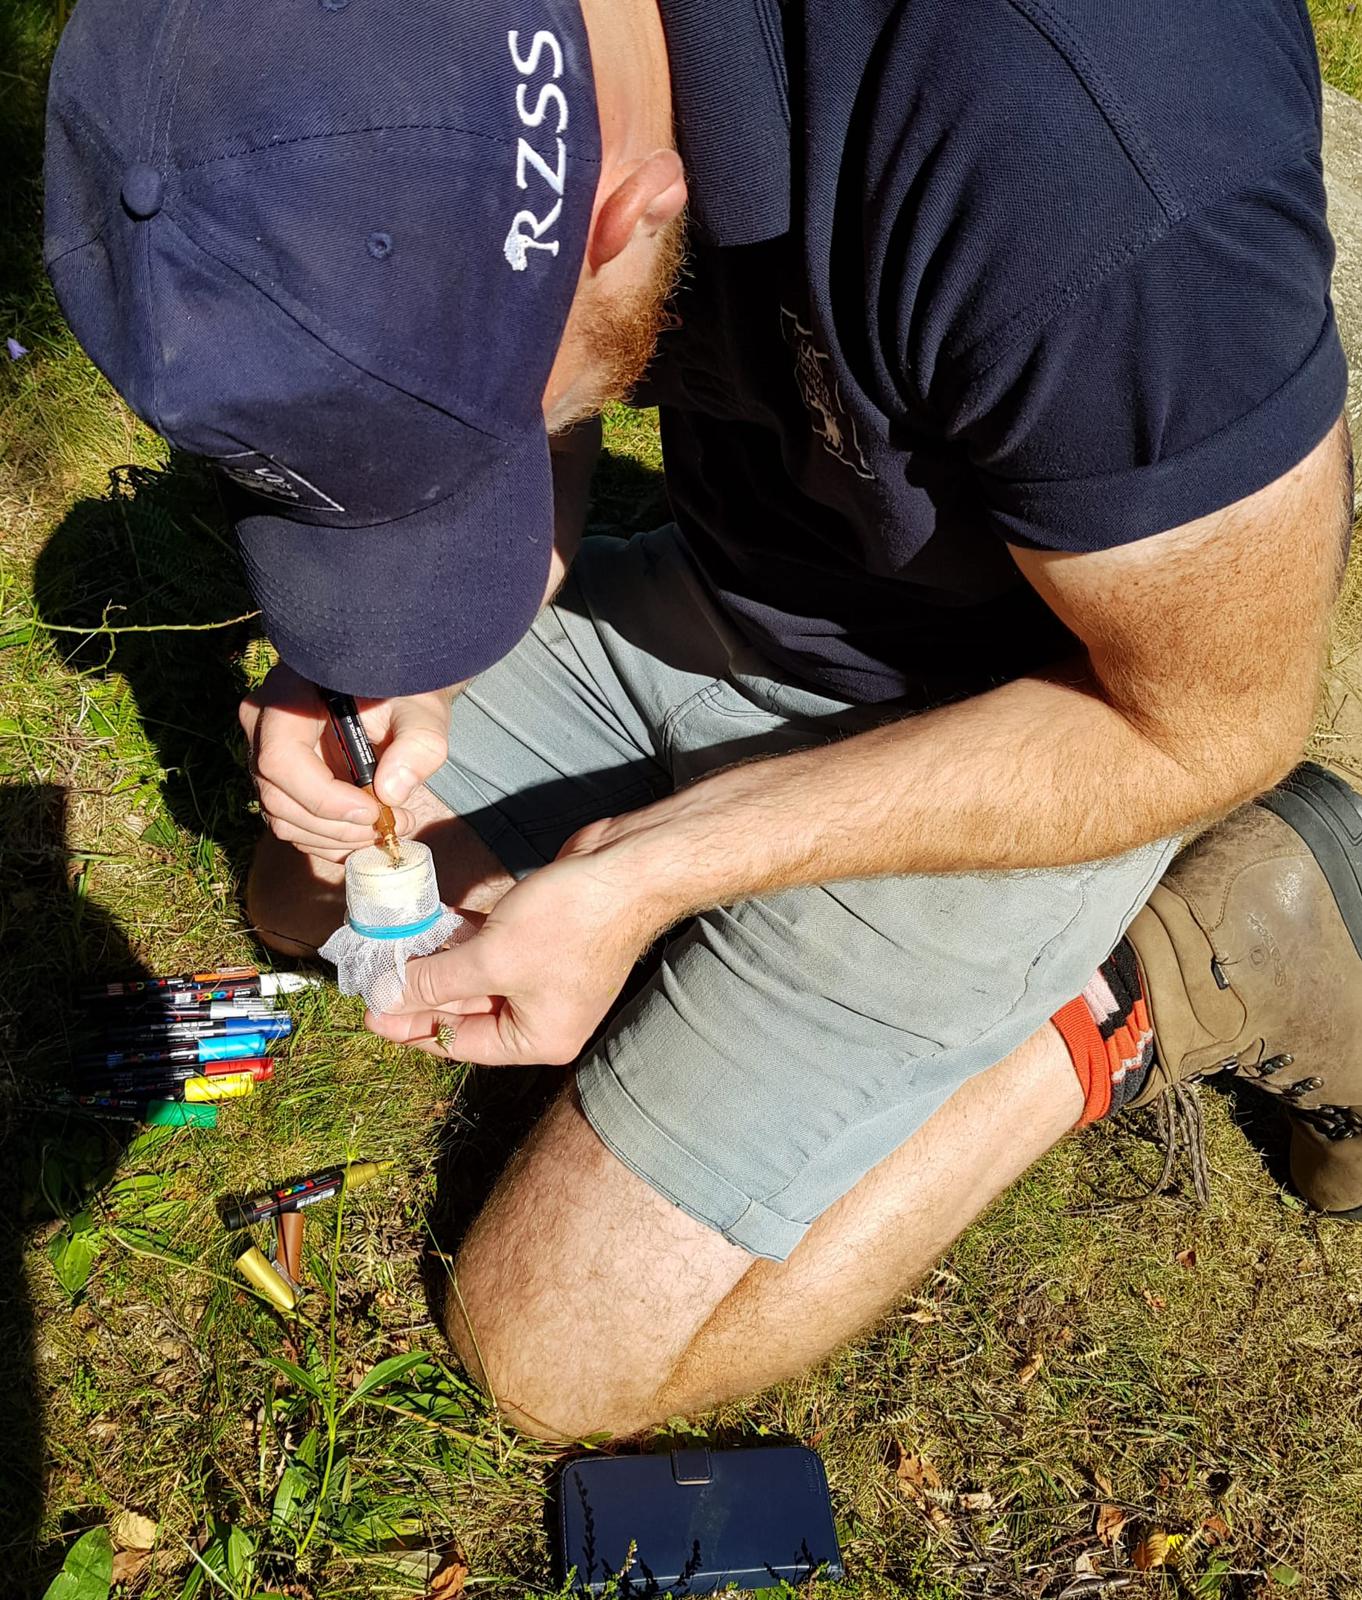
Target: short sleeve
[{"x": 1187, "y": 376}]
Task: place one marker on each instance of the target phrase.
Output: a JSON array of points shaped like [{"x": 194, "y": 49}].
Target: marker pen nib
[{"x": 386, "y": 829}]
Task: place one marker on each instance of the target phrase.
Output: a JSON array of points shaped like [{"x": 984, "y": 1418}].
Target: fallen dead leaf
[
  {"x": 1103, "y": 1482},
  {"x": 980, "y": 1501},
  {"x": 1032, "y": 1368},
  {"x": 1110, "y": 1520},
  {"x": 132, "y": 1531},
  {"x": 1215, "y": 1530},
  {"x": 1152, "y": 1551},
  {"x": 1186, "y": 1258},
  {"x": 127, "y": 1564},
  {"x": 923, "y": 1318},
  {"x": 938, "y": 1518},
  {"x": 448, "y": 1578},
  {"x": 1155, "y": 1302},
  {"x": 917, "y": 1475}
]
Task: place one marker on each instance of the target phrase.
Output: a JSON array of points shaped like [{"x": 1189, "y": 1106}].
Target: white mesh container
[{"x": 392, "y": 912}]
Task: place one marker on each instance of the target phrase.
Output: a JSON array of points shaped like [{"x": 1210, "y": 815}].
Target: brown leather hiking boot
[{"x": 1251, "y": 954}]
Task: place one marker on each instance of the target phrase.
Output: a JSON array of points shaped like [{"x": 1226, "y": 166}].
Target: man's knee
[
  {"x": 580, "y": 1286},
  {"x": 531, "y": 1378},
  {"x": 293, "y": 901}
]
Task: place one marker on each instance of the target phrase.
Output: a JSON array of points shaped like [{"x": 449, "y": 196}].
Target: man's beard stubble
[{"x": 622, "y": 336}]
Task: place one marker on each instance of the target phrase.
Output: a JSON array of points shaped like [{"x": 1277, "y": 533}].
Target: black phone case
[{"x": 696, "y": 1520}]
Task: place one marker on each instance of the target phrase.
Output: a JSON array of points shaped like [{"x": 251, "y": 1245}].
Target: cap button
[{"x": 143, "y": 190}]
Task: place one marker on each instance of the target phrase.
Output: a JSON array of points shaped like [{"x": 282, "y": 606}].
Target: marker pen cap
[
  {"x": 272, "y": 1027},
  {"x": 257, "y": 1271},
  {"x": 288, "y": 1252},
  {"x": 226, "y": 1086},
  {"x": 261, "y": 1068},
  {"x": 287, "y": 982},
  {"x": 234, "y": 1047},
  {"x": 176, "y": 1114}
]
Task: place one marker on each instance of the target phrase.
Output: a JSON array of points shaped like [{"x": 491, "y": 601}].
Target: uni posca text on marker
[
  {"x": 178, "y": 999},
  {"x": 227, "y": 1086},
  {"x": 241, "y": 1047},
  {"x": 186, "y": 980},
  {"x": 158, "y": 1030},
  {"x": 302, "y": 1192},
  {"x": 160, "y": 1114},
  {"x": 157, "y": 1015},
  {"x": 164, "y": 1075},
  {"x": 246, "y": 980}
]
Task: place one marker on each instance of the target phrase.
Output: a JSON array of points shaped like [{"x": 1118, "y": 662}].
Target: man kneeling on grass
[{"x": 1000, "y": 395}]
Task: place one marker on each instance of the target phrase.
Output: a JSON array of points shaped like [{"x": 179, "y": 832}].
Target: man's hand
[
  {"x": 296, "y": 763},
  {"x": 532, "y": 985}
]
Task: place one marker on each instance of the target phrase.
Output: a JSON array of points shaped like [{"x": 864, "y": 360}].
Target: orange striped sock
[{"x": 1109, "y": 1039}]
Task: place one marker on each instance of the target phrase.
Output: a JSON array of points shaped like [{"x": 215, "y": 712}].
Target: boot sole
[{"x": 1327, "y": 814}]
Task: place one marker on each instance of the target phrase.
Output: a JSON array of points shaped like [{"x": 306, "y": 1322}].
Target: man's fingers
[
  {"x": 424, "y": 1028},
  {"x": 484, "y": 1039},
  {"x": 444, "y": 981},
  {"x": 280, "y": 807},
  {"x": 417, "y": 746},
  {"x": 286, "y": 757},
  {"x": 487, "y": 1041},
  {"x": 311, "y": 844},
  {"x": 408, "y": 1027}
]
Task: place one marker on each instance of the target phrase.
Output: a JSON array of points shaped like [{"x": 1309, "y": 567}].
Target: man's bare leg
[
  {"x": 296, "y": 901},
  {"x": 597, "y": 1306}
]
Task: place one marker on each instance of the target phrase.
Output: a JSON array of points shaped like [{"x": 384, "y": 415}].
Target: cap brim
[{"x": 421, "y": 602}]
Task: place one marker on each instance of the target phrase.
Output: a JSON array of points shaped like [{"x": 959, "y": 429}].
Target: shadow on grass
[
  {"x": 626, "y": 497},
  {"x": 154, "y": 551},
  {"x": 52, "y": 938}
]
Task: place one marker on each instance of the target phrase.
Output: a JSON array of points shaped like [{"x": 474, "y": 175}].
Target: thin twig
[{"x": 153, "y": 627}]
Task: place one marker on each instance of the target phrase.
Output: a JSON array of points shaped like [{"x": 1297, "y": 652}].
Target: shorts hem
[{"x": 652, "y": 1154}]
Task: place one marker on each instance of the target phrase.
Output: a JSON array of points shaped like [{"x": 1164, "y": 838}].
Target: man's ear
[{"x": 650, "y": 195}]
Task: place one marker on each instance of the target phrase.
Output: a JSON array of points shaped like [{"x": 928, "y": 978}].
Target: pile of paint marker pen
[
  {"x": 279, "y": 1275},
  {"x": 165, "y": 1051}
]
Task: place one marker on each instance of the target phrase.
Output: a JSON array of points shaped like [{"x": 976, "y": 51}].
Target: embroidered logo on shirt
[{"x": 823, "y": 396}]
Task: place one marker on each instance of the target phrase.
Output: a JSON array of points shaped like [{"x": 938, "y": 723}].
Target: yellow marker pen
[{"x": 223, "y": 1086}]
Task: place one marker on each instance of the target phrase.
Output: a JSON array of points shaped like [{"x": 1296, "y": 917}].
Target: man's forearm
[
  {"x": 1039, "y": 773},
  {"x": 1197, "y": 690}
]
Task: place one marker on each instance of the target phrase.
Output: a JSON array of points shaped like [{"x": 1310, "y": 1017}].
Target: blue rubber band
[{"x": 406, "y": 930}]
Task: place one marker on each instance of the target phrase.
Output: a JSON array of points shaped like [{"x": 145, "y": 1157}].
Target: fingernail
[
  {"x": 403, "y": 782},
  {"x": 358, "y": 816}
]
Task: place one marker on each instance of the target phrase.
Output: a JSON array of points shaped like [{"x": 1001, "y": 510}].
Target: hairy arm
[{"x": 1196, "y": 690}]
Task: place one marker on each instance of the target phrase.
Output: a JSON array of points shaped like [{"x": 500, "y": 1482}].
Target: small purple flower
[{"x": 16, "y": 350}]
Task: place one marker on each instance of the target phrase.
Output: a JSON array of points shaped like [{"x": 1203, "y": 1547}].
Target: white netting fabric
[{"x": 392, "y": 912}]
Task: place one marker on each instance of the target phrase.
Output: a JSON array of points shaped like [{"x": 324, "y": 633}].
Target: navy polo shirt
[{"x": 1048, "y": 273}]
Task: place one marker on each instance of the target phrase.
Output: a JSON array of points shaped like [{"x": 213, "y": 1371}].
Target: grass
[{"x": 1154, "y": 1371}]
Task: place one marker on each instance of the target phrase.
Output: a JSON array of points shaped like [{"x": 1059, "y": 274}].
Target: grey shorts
[{"x": 789, "y": 1043}]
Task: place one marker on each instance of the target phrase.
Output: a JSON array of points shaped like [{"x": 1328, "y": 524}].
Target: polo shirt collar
[{"x": 730, "y": 91}]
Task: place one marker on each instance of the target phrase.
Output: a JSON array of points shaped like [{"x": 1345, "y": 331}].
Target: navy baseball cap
[{"x": 331, "y": 246}]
